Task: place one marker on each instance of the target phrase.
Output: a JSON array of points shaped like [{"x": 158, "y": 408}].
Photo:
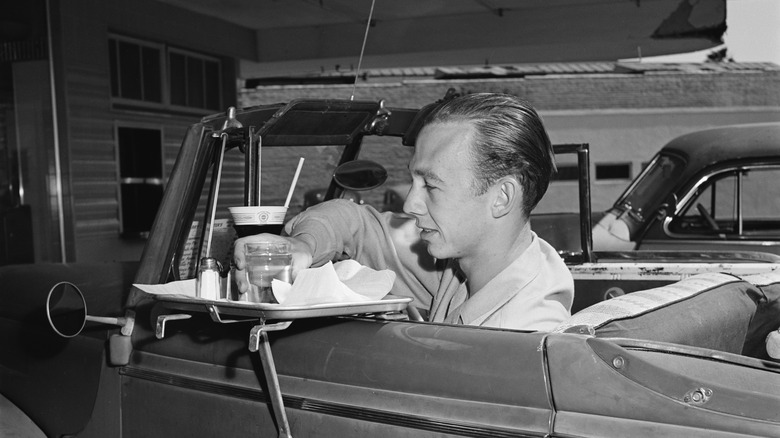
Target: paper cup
[{"x": 255, "y": 220}]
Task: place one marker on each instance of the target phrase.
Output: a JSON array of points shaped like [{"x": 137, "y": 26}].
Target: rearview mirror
[
  {"x": 67, "y": 312},
  {"x": 360, "y": 175}
]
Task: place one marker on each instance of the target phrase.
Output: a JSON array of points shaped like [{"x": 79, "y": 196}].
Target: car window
[
  {"x": 743, "y": 202},
  {"x": 278, "y": 166},
  {"x": 761, "y": 195},
  {"x": 652, "y": 184},
  {"x": 712, "y": 210}
]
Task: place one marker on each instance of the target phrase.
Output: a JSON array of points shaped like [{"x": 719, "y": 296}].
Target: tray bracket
[{"x": 258, "y": 342}]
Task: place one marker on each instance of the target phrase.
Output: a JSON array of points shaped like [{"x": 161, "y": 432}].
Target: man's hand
[{"x": 301, "y": 256}]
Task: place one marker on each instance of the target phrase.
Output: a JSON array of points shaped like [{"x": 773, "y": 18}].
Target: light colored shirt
[{"x": 534, "y": 292}]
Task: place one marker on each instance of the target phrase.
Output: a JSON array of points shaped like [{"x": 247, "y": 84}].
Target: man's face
[{"x": 451, "y": 217}]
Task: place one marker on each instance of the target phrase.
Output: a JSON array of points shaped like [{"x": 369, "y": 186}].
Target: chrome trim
[
  {"x": 687, "y": 198},
  {"x": 56, "y": 134},
  {"x": 706, "y": 242},
  {"x": 739, "y": 202},
  {"x": 621, "y": 199},
  {"x": 548, "y": 387},
  {"x": 336, "y": 409}
]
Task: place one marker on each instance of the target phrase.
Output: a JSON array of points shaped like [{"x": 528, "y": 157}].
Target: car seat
[{"x": 710, "y": 310}]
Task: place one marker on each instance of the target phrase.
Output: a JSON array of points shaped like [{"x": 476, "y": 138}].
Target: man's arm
[{"x": 341, "y": 229}]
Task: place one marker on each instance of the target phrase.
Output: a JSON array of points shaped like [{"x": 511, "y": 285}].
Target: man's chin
[
  {"x": 435, "y": 251},
  {"x": 433, "y": 244}
]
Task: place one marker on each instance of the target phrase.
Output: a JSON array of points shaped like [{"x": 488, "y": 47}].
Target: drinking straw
[{"x": 294, "y": 181}]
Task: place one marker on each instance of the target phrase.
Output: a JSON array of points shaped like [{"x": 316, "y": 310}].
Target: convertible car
[
  {"x": 95, "y": 351},
  {"x": 714, "y": 190}
]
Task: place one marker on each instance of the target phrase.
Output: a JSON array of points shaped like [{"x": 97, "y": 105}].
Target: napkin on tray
[
  {"x": 181, "y": 288},
  {"x": 344, "y": 282}
]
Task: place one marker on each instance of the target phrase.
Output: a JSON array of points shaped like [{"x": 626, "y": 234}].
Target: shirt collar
[{"x": 503, "y": 287}]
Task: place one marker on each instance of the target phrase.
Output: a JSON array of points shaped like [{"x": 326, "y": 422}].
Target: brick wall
[
  {"x": 599, "y": 91},
  {"x": 653, "y": 98}
]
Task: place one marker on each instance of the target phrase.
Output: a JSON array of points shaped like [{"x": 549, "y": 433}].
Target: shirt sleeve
[{"x": 340, "y": 229}]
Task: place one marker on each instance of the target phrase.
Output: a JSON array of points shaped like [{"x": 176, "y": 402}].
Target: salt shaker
[{"x": 208, "y": 279}]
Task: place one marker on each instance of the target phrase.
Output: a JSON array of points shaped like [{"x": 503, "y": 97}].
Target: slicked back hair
[{"x": 510, "y": 139}]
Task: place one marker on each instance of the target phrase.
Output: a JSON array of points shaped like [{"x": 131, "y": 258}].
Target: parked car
[
  {"x": 715, "y": 189},
  {"x": 684, "y": 359}
]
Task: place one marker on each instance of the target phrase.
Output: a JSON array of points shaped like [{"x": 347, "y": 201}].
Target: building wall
[
  {"x": 625, "y": 116},
  {"x": 88, "y": 118},
  {"x": 621, "y": 114}
]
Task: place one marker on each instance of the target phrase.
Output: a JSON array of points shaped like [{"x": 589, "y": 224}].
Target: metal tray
[{"x": 267, "y": 311}]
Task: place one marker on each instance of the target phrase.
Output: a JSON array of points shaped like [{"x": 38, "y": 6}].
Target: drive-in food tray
[{"x": 268, "y": 311}]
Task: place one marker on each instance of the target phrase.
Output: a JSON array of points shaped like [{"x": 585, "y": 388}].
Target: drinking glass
[{"x": 265, "y": 262}]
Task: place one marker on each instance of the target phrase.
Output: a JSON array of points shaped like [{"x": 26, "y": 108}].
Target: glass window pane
[
  {"x": 717, "y": 198},
  {"x": 178, "y": 79},
  {"x": 195, "y": 82},
  {"x": 140, "y": 169},
  {"x": 644, "y": 197},
  {"x": 140, "y": 153},
  {"x": 212, "y": 85},
  {"x": 613, "y": 171},
  {"x": 724, "y": 205},
  {"x": 139, "y": 207},
  {"x": 114, "y": 66},
  {"x": 152, "y": 75},
  {"x": 130, "y": 70},
  {"x": 761, "y": 194}
]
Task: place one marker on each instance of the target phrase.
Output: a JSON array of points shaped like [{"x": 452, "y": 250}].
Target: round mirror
[
  {"x": 360, "y": 175},
  {"x": 66, "y": 309}
]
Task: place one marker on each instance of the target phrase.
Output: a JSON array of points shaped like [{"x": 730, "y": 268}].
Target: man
[{"x": 464, "y": 250}]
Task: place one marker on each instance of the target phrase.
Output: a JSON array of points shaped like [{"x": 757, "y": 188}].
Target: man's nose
[{"x": 413, "y": 205}]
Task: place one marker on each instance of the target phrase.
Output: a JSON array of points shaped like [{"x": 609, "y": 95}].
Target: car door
[
  {"x": 736, "y": 208},
  {"x": 339, "y": 376}
]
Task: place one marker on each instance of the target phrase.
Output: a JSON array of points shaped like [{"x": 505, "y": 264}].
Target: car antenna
[{"x": 362, "y": 49}]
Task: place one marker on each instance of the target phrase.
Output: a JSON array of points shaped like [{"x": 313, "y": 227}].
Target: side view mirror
[
  {"x": 67, "y": 312},
  {"x": 360, "y": 175}
]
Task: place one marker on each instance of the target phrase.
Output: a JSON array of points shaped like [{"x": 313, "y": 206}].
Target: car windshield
[
  {"x": 278, "y": 166},
  {"x": 652, "y": 185}
]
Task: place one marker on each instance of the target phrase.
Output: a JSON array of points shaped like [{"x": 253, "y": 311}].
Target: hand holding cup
[{"x": 300, "y": 258}]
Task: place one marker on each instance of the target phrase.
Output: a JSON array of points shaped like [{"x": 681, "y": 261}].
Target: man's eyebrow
[{"x": 428, "y": 174}]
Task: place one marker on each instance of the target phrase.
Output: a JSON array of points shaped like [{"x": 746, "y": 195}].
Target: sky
[
  {"x": 753, "y": 33},
  {"x": 753, "y": 30}
]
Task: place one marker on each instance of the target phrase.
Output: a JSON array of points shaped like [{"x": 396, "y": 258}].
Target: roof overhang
[{"x": 312, "y": 35}]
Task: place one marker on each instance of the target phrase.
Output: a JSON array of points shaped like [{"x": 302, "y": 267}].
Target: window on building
[
  {"x": 194, "y": 80},
  {"x": 612, "y": 171},
  {"x": 140, "y": 178},
  {"x": 138, "y": 69}
]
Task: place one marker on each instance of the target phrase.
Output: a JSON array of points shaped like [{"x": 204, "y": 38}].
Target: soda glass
[{"x": 266, "y": 261}]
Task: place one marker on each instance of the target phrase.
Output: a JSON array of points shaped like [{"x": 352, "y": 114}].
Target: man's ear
[{"x": 507, "y": 196}]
